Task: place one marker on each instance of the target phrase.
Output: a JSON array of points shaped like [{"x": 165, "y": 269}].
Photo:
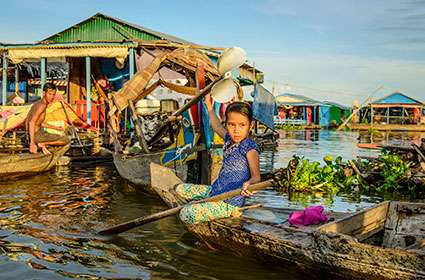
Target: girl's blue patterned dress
[{"x": 234, "y": 172}]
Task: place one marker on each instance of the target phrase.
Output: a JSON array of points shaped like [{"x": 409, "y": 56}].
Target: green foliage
[
  {"x": 335, "y": 176},
  {"x": 310, "y": 177},
  {"x": 365, "y": 121},
  {"x": 287, "y": 127},
  {"x": 372, "y": 130},
  {"x": 394, "y": 169}
]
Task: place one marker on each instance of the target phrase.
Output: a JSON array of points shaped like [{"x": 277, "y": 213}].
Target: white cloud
[{"x": 341, "y": 78}]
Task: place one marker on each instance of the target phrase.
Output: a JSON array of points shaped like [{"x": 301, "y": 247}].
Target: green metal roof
[{"x": 101, "y": 27}]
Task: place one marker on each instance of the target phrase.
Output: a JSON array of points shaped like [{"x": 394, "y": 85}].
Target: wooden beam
[
  {"x": 361, "y": 224},
  {"x": 4, "y": 80},
  {"x": 88, "y": 89}
]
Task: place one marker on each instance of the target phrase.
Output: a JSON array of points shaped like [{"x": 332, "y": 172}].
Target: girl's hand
[
  {"x": 208, "y": 101},
  {"x": 245, "y": 191}
]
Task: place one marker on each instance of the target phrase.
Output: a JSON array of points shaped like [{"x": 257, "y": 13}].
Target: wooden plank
[
  {"x": 369, "y": 230},
  {"x": 416, "y": 246},
  {"x": 411, "y": 207},
  {"x": 404, "y": 221},
  {"x": 360, "y": 223}
]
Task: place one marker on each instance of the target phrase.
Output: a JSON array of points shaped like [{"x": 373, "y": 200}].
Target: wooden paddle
[{"x": 157, "y": 216}]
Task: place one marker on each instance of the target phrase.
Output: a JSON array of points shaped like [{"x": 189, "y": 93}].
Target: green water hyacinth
[{"x": 387, "y": 174}]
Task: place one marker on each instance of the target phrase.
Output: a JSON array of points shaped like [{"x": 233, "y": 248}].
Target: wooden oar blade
[
  {"x": 163, "y": 181},
  {"x": 140, "y": 221}
]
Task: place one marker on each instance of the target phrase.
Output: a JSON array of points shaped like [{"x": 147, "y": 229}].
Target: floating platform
[{"x": 389, "y": 127}]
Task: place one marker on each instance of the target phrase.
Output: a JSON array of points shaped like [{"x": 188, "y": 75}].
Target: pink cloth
[{"x": 311, "y": 215}]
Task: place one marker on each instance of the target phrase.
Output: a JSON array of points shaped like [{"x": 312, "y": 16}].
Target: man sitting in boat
[
  {"x": 240, "y": 167},
  {"x": 38, "y": 136}
]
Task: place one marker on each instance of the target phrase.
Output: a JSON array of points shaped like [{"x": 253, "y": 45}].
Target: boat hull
[
  {"x": 344, "y": 247},
  {"x": 136, "y": 168},
  {"x": 335, "y": 254},
  {"x": 18, "y": 165}
]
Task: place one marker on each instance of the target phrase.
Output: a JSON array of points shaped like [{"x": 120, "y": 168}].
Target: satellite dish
[
  {"x": 230, "y": 59},
  {"x": 224, "y": 91}
]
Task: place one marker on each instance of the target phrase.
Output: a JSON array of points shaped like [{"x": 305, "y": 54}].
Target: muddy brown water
[{"x": 48, "y": 223}]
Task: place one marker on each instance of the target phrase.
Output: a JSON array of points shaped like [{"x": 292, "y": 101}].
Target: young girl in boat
[{"x": 240, "y": 168}]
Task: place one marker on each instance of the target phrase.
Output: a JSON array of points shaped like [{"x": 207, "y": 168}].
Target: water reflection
[
  {"x": 315, "y": 144},
  {"x": 48, "y": 223},
  {"x": 47, "y": 227}
]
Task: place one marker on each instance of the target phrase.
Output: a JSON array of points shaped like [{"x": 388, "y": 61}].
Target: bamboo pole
[
  {"x": 358, "y": 109},
  {"x": 138, "y": 127}
]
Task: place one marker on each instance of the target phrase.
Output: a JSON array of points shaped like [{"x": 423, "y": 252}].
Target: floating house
[
  {"x": 396, "y": 108},
  {"x": 100, "y": 46},
  {"x": 297, "y": 109},
  {"x": 395, "y": 111},
  {"x": 338, "y": 113}
]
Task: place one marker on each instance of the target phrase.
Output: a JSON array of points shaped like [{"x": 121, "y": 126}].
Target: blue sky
[{"x": 327, "y": 49}]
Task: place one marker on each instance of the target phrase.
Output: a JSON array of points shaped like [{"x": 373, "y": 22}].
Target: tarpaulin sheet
[
  {"x": 263, "y": 106},
  {"x": 18, "y": 55}
]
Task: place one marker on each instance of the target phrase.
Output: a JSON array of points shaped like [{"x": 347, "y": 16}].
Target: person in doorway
[
  {"x": 35, "y": 127},
  {"x": 240, "y": 168}
]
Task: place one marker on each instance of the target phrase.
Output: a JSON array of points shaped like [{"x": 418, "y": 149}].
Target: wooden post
[
  {"x": 402, "y": 115},
  {"x": 88, "y": 89},
  {"x": 388, "y": 115},
  {"x": 43, "y": 73},
  {"x": 26, "y": 92},
  {"x": 131, "y": 66},
  {"x": 138, "y": 127},
  {"x": 4, "y": 80},
  {"x": 371, "y": 114},
  {"x": 204, "y": 160},
  {"x": 16, "y": 78}
]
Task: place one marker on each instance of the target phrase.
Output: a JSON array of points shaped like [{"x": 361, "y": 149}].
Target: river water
[{"x": 48, "y": 222}]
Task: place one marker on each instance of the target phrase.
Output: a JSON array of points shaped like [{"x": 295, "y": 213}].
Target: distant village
[{"x": 106, "y": 49}]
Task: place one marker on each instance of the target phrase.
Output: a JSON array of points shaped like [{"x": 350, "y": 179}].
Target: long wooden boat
[
  {"x": 136, "y": 168},
  {"x": 23, "y": 164},
  {"x": 386, "y": 241}
]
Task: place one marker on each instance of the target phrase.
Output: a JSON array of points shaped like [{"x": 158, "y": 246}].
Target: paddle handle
[
  {"x": 229, "y": 194},
  {"x": 170, "y": 212}
]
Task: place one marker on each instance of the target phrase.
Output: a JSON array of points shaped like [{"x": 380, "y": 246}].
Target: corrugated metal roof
[
  {"x": 397, "y": 98},
  {"x": 297, "y": 100},
  {"x": 331, "y": 103},
  {"x": 101, "y": 27}
]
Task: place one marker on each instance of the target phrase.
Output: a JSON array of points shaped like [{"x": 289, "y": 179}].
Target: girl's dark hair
[{"x": 241, "y": 108}]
